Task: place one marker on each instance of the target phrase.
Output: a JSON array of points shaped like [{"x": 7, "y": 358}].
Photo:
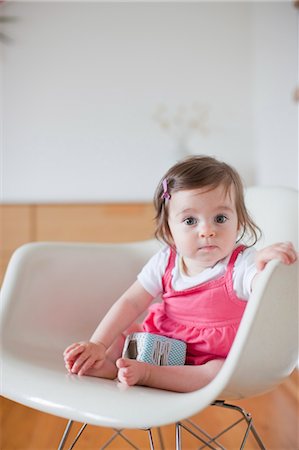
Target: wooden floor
[{"x": 276, "y": 416}]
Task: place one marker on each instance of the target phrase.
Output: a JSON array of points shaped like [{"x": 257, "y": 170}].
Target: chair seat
[{"x": 40, "y": 381}]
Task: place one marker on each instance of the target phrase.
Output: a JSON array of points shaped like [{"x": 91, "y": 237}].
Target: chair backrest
[
  {"x": 265, "y": 350},
  {"x": 56, "y": 293},
  {"x": 275, "y": 211}
]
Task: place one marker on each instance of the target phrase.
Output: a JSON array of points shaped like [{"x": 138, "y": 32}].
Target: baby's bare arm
[{"x": 81, "y": 356}]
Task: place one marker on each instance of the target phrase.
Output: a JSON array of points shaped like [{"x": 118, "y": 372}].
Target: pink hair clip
[{"x": 165, "y": 195}]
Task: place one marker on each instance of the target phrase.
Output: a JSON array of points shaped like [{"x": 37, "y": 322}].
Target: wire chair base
[
  {"x": 213, "y": 442},
  {"x": 207, "y": 441}
]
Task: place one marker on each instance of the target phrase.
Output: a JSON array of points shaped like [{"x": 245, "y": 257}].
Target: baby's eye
[
  {"x": 190, "y": 221},
  {"x": 220, "y": 218}
]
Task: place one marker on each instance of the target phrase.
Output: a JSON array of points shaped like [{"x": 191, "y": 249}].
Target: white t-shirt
[{"x": 244, "y": 270}]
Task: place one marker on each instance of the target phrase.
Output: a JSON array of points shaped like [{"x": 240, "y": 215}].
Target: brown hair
[{"x": 197, "y": 172}]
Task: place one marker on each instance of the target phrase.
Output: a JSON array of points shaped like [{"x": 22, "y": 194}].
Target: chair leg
[
  {"x": 66, "y": 433},
  {"x": 150, "y": 438},
  {"x": 117, "y": 433},
  {"x": 208, "y": 440},
  {"x": 206, "y": 443},
  {"x": 248, "y": 418},
  {"x": 125, "y": 438},
  {"x": 206, "y": 435},
  {"x": 178, "y": 436},
  {"x": 161, "y": 440},
  {"x": 120, "y": 434}
]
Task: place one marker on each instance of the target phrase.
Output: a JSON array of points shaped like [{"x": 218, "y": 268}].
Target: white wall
[
  {"x": 83, "y": 82},
  {"x": 275, "y": 65}
]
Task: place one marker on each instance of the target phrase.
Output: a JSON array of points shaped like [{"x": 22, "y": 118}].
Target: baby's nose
[{"x": 207, "y": 232}]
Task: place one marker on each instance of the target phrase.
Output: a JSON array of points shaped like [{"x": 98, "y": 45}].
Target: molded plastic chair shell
[{"x": 56, "y": 293}]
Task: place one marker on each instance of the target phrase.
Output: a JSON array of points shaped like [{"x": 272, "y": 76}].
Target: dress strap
[
  {"x": 234, "y": 256},
  {"x": 166, "y": 279}
]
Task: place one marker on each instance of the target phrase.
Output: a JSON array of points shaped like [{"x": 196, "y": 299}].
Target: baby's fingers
[
  {"x": 69, "y": 365},
  {"x": 74, "y": 352},
  {"x": 286, "y": 252},
  {"x": 71, "y": 347},
  {"x": 87, "y": 365},
  {"x": 292, "y": 253},
  {"x": 283, "y": 251},
  {"x": 82, "y": 364}
]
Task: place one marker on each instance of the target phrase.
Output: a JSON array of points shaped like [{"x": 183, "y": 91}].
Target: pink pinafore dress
[{"x": 206, "y": 316}]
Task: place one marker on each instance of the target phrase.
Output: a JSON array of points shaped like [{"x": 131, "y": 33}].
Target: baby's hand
[
  {"x": 81, "y": 356},
  {"x": 284, "y": 251}
]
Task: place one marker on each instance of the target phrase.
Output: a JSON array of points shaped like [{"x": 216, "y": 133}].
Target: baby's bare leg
[{"x": 172, "y": 378}]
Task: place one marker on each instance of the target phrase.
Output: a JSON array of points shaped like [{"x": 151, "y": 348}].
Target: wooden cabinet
[
  {"x": 15, "y": 229},
  {"x": 110, "y": 222}
]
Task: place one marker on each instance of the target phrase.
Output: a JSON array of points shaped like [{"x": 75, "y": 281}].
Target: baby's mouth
[{"x": 208, "y": 247}]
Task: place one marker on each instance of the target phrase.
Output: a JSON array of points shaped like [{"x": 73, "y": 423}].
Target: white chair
[{"x": 56, "y": 293}]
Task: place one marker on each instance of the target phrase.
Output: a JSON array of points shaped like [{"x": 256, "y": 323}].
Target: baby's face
[{"x": 204, "y": 226}]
